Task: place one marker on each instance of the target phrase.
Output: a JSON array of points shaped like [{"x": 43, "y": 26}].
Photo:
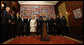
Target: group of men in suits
[
  {"x": 8, "y": 24},
  {"x": 23, "y": 26},
  {"x": 55, "y": 26},
  {"x": 12, "y": 26}
]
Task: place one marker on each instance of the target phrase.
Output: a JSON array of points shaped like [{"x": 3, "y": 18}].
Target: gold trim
[
  {"x": 6, "y": 42},
  {"x": 74, "y": 39}
]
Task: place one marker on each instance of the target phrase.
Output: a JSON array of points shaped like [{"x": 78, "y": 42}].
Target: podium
[{"x": 44, "y": 32}]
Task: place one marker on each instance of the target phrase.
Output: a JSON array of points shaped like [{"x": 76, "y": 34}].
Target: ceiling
[{"x": 39, "y": 2}]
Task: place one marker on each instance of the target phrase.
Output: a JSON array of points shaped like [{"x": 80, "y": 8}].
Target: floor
[{"x": 36, "y": 40}]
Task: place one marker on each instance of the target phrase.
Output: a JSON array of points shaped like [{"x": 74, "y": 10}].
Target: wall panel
[{"x": 76, "y": 25}]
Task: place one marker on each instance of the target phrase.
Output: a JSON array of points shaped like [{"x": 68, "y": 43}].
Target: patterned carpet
[{"x": 36, "y": 40}]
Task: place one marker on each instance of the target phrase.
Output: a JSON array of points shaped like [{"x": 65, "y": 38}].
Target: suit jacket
[
  {"x": 62, "y": 21},
  {"x": 22, "y": 23},
  {"x": 14, "y": 19},
  {"x": 51, "y": 22},
  {"x": 40, "y": 22},
  {"x": 4, "y": 18},
  {"x": 18, "y": 20},
  {"x": 27, "y": 22},
  {"x": 55, "y": 21}
]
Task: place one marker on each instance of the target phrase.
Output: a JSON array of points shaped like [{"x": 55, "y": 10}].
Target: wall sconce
[
  {"x": 2, "y": 5},
  {"x": 66, "y": 13}
]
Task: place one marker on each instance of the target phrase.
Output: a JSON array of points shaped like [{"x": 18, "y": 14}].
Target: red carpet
[{"x": 36, "y": 40}]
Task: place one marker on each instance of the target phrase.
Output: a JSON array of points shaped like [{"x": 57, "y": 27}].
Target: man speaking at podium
[{"x": 44, "y": 36}]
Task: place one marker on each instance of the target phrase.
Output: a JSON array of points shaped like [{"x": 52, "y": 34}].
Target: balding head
[
  {"x": 7, "y": 9},
  {"x": 60, "y": 14}
]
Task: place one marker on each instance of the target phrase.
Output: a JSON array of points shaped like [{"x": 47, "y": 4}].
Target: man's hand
[
  {"x": 9, "y": 21},
  {"x": 39, "y": 23},
  {"x": 12, "y": 23},
  {"x": 54, "y": 23}
]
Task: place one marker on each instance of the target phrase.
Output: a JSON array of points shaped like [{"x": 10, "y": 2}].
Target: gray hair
[{"x": 7, "y": 8}]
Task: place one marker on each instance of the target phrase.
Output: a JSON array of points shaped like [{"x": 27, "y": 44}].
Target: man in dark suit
[
  {"x": 38, "y": 31},
  {"x": 21, "y": 31},
  {"x": 18, "y": 25},
  {"x": 62, "y": 24},
  {"x": 27, "y": 26},
  {"x": 40, "y": 25},
  {"x": 51, "y": 26},
  {"x": 55, "y": 26},
  {"x": 48, "y": 25},
  {"x": 9, "y": 27},
  {"x": 13, "y": 24},
  {"x": 4, "y": 24},
  {"x": 44, "y": 35}
]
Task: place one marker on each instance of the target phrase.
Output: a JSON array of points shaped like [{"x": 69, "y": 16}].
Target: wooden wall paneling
[
  {"x": 76, "y": 25},
  {"x": 62, "y": 9}
]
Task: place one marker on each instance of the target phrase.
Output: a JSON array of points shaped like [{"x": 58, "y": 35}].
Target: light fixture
[
  {"x": 66, "y": 12},
  {"x": 2, "y": 5}
]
